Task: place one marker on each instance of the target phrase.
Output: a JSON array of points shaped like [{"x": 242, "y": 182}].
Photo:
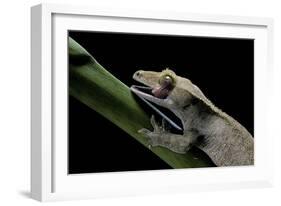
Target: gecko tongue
[{"x": 160, "y": 92}]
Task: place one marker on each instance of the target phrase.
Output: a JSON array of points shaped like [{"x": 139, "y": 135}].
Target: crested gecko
[{"x": 205, "y": 126}]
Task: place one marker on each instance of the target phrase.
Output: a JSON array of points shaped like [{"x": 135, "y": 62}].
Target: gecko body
[{"x": 205, "y": 126}]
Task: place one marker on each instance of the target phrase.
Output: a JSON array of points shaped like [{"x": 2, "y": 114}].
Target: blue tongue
[{"x": 161, "y": 114}]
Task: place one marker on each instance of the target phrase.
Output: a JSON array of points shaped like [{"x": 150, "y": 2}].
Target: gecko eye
[{"x": 166, "y": 81}]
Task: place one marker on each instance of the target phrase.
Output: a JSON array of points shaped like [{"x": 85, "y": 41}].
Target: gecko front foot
[
  {"x": 155, "y": 136},
  {"x": 161, "y": 137}
]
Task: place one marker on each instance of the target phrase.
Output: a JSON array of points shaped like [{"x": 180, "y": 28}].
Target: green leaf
[{"x": 94, "y": 86}]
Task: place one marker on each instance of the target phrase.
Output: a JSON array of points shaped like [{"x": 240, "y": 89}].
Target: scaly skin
[{"x": 205, "y": 126}]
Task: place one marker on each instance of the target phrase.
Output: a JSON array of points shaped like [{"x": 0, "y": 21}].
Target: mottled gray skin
[{"x": 205, "y": 126}]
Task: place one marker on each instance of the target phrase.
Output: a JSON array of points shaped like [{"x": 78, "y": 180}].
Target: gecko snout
[{"x": 137, "y": 74}]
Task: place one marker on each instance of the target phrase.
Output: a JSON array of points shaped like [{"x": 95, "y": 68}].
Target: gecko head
[
  {"x": 164, "y": 89},
  {"x": 160, "y": 83}
]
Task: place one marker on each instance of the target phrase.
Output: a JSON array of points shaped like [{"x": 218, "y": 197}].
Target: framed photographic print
[{"x": 137, "y": 102}]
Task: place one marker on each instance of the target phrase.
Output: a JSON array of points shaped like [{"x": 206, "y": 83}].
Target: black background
[{"x": 222, "y": 68}]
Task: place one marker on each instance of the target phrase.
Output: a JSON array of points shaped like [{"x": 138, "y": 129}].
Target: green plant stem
[{"x": 94, "y": 86}]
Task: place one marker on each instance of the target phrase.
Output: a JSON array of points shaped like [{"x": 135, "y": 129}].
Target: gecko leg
[{"x": 160, "y": 137}]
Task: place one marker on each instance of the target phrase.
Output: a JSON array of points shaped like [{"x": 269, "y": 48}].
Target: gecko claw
[
  {"x": 150, "y": 135},
  {"x": 144, "y": 131}
]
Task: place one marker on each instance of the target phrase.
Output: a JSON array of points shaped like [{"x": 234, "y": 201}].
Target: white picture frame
[{"x": 49, "y": 178}]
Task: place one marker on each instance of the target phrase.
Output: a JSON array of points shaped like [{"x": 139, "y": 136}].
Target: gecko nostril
[{"x": 138, "y": 74}]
